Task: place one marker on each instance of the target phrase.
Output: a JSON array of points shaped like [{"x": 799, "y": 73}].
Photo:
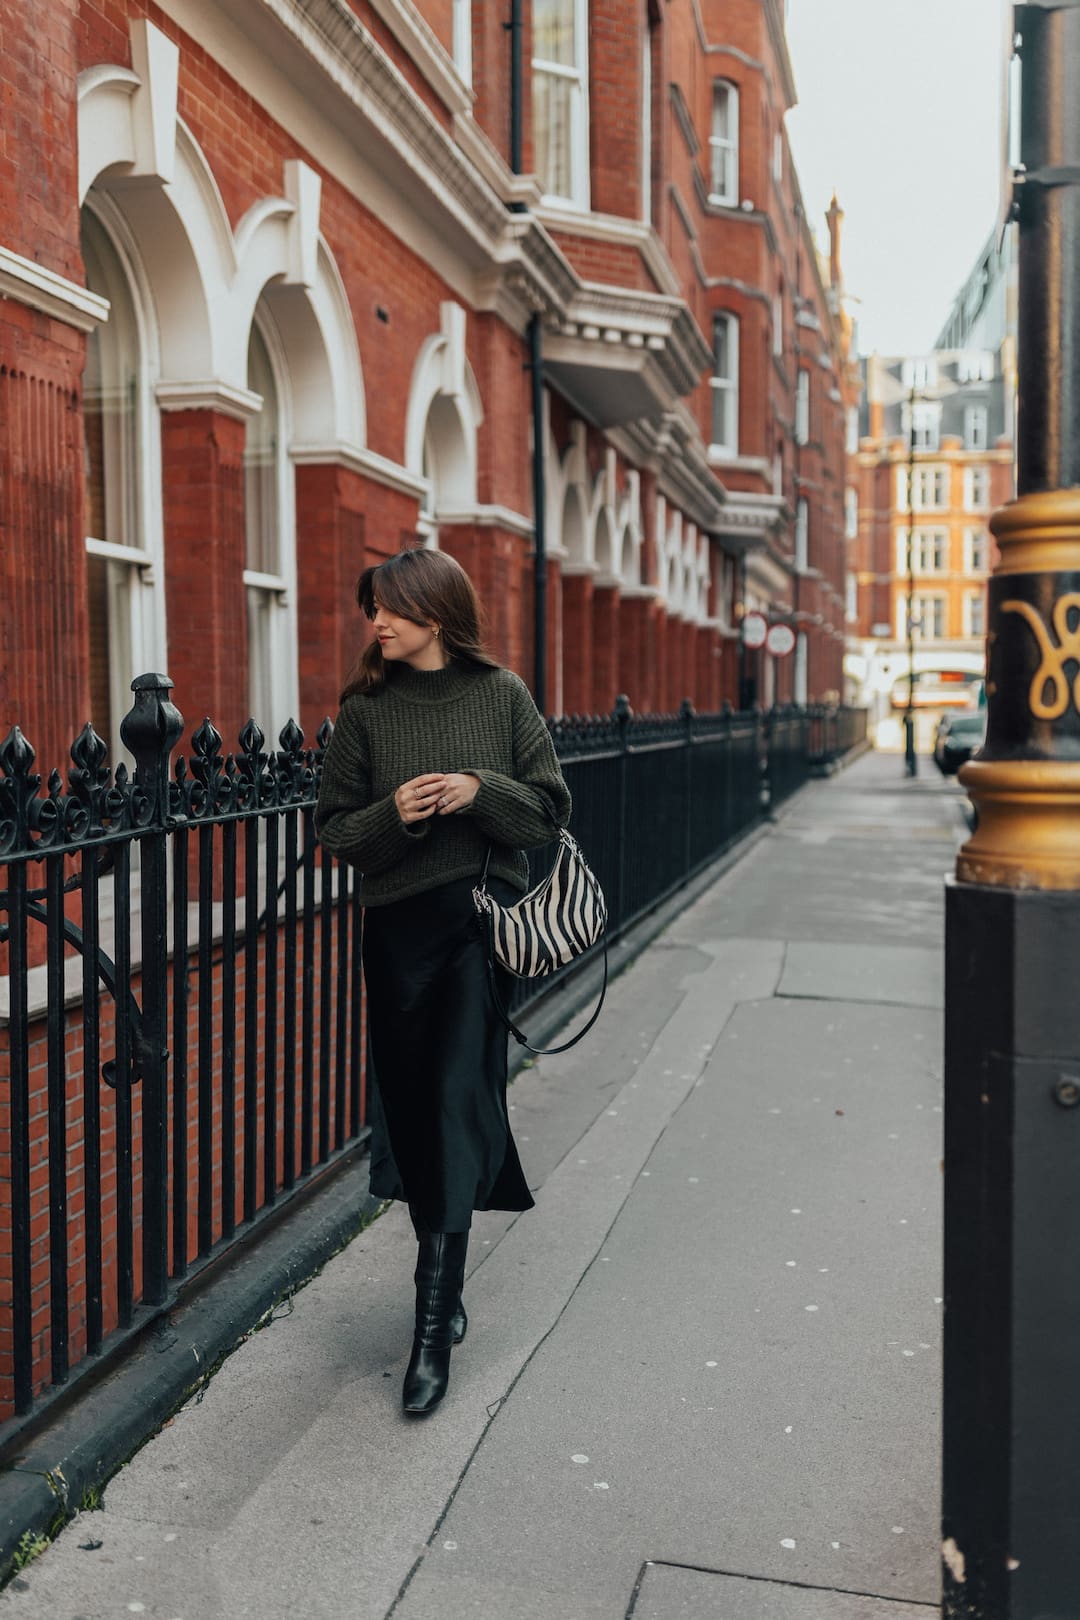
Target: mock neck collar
[{"x": 428, "y": 685}]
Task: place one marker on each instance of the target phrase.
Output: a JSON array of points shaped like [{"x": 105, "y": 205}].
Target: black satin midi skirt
[{"x": 441, "y": 1135}]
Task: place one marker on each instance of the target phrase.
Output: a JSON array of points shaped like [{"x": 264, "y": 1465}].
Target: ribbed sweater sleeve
[
  {"x": 367, "y": 832},
  {"x": 525, "y": 809}
]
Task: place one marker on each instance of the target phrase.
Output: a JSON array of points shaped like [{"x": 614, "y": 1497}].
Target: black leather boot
[
  {"x": 459, "y": 1322},
  {"x": 440, "y": 1270}
]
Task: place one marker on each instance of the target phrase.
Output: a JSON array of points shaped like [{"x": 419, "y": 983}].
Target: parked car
[{"x": 959, "y": 733}]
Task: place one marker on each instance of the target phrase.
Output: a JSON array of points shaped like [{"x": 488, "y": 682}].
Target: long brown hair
[{"x": 426, "y": 587}]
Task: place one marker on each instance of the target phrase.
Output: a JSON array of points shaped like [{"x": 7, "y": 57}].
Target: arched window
[
  {"x": 125, "y": 602},
  {"x": 269, "y": 519},
  {"x": 446, "y": 467}
]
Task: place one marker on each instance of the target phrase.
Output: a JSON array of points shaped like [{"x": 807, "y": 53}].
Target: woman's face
[{"x": 406, "y": 642}]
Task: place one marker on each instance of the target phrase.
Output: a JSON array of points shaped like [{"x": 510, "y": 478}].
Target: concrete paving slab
[
  {"x": 751, "y": 1360},
  {"x": 904, "y": 975},
  {"x": 668, "y": 1593}
]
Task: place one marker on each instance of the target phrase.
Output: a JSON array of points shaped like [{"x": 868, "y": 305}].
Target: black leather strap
[{"x": 500, "y": 1007}]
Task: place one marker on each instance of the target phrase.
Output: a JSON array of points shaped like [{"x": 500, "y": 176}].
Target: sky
[{"x": 900, "y": 112}]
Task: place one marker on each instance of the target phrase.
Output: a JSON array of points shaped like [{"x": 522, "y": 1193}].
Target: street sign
[
  {"x": 755, "y": 628},
  {"x": 780, "y": 640}
]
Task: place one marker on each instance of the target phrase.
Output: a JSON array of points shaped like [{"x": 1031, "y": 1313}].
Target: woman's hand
[
  {"x": 459, "y": 790},
  {"x": 419, "y": 798}
]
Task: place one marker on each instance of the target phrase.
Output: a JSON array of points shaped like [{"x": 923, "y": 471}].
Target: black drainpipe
[
  {"x": 536, "y": 369},
  {"x": 514, "y": 27}
]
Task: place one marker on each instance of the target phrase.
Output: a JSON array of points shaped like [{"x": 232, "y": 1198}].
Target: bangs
[{"x": 383, "y": 585}]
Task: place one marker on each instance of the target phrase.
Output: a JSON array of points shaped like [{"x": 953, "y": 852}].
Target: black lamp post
[{"x": 1011, "y": 1465}]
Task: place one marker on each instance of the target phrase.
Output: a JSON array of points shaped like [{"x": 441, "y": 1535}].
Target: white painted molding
[
  {"x": 368, "y": 463},
  {"x": 427, "y": 51},
  {"x": 493, "y": 517},
  {"x": 39, "y": 288},
  {"x": 622, "y": 233},
  {"x": 156, "y": 60},
  {"x": 489, "y": 162},
  {"x": 129, "y": 117},
  {"x": 209, "y": 395},
  {"x": 303, "y": 188},
  {"x": 452, "y": 327}
]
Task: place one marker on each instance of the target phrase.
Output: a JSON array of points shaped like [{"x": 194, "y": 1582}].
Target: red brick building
[{"x": 267, "y": 271}]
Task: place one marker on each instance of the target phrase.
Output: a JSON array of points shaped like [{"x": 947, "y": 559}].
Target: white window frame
[
  {"x": 273, "y": 659},
  {"x": 727, "y": 386},
  {"x": 930, "y": 543},
  {"x": 921, "y": 602},
  {"x": 921, "y": 424},
  {"x": 778, "y": 157},
  {"x": 802, "y": 406},
  {"x": 461, "y": 37},
  {"x": 851, "y": 440},
  {"x": 851, "y": 597},
  {"x": 928, "y": 480},
  {"x": 802, "y": 535},
  {"x": 976, "y": 427},
  {"x": 136, "y": 571},
  {"x": 921, "y": 373},
  {"x": 972, "y": 501},
  {"x": 724, "y": 149},
  {"x": 975, "y": 365},
  {"x": 851, "y": 513},
  {"x": 578, "y": 78},
  {"x": 980, "y": 539},
  {"x": 778, "y": 324},
  {"x": 973, "y": 599}
]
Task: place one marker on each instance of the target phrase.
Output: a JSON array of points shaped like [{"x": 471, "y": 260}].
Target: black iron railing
[{"x": 183, "y": 1033}]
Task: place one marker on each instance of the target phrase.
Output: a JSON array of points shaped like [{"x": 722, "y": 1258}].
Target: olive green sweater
[{"x": 461, "y": 718}]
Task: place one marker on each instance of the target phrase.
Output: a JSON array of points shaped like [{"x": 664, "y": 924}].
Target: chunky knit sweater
[{"x": 461, "y": 718}]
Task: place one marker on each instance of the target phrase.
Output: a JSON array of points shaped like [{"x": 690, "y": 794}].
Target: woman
[{"x": 438, "y": 754}]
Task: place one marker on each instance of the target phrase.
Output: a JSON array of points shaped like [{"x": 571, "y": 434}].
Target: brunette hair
[{"x": 426, "y": 587}]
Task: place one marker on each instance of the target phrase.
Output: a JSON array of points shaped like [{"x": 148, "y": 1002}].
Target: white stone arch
[
  {"x": 688, "y": 564},
  {"x": 575, "y": 528},
  {"x": 673, "y": 579},
  {"x": 702, "y": 568},
  {"x": 131, "y": 550},
  {"x": 630, "y": 537},
  {"x": 605, "y": 548},
  {"x": 444, "y": 415},
  {"x": 207, "y": 281}
]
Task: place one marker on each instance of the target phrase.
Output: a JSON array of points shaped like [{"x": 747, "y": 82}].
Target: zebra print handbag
[{"x": 560, "y": 919}]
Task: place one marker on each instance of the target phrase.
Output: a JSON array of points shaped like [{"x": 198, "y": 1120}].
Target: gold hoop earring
[{"x": 437, "y": 631}]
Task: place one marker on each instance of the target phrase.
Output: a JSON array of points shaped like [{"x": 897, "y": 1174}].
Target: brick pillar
[
  {"x": 637, "y": 651},
  {"x": 44, "y": 658},
  {"x": 661, "y": 701},
  {"x": 577, "y": 606},
  {"x": 556, "y": 647},
  {"x": 706, "y": 693},
  {"x": 605, "y": 618},
  {"x": 331, "y": 529},
  {"x": 203, "y": 488},
  {"x": 500, "y": 565}
]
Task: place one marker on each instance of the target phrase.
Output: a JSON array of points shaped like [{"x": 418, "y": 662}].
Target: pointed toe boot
[{"x": 440, "y": 1271}]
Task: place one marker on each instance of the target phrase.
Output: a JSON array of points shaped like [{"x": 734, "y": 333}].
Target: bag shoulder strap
[{"x": 542, "y": 1051}]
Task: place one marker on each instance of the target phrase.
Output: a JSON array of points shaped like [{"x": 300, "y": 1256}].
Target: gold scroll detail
[{"x": 1054, "y": 658}]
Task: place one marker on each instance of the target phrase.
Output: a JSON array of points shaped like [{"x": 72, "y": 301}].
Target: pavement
[{"x": 701, "y": 1379}]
